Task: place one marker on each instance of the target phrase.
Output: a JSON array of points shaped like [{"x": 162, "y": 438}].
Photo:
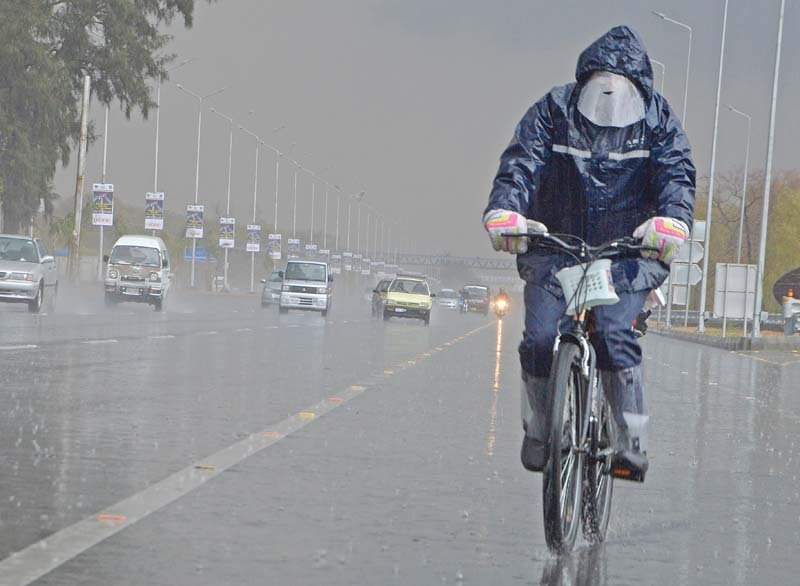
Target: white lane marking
[
  {"x": 19, "y": 347},
  {"x": 294, "y": 326},
  {"x": 271, "y": 327},
  {"x": 243, "y": 330},
  {"x": 162, "y": 337},
  {"x": 105, "y": 341},
  {"x": 40, "y": 558},
  {"x": 211, "y": 333}
]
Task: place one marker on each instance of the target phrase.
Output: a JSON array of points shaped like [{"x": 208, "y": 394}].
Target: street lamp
[
  {"x": 762, "y": 246},
  {"x": 228, "y": 200},
  {"x": 158, "y": 118},
  {"x": 200, "y": 99},
  {"x": 744, "y": 182},
  {"x": 356, "y": 196},
  {"x": 704, "y": 284},
  {"x": 666, "y": 18},
  {"x": 255, "y": 203},
  {"x": 663, "y": 73}
]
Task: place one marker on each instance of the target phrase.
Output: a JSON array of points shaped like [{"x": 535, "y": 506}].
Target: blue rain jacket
[{"x": 596, "y": 182}]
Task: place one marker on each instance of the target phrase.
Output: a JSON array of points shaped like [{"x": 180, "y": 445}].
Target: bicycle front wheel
[
  {"x": 563, "y": 473},
  {"x": 598, "y": 485}
]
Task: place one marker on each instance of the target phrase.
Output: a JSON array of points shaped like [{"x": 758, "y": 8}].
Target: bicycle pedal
[{"x": 633, "y": 467}]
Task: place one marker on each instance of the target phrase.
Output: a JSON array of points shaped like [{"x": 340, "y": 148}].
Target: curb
[{"x": 740, "y": 344}]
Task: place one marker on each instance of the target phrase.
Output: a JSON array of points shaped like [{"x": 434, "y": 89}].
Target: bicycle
[{"x": 577, "y": 482}]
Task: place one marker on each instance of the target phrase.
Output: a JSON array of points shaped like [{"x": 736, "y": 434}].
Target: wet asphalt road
[{"x": 406, "y": 473}]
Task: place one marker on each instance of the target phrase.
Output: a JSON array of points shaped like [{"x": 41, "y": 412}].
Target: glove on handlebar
[
  {"x": 499, "y": 222},
  {"x": 665, "y": 234}
]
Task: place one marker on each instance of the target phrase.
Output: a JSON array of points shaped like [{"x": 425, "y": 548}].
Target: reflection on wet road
[{"x": 383, "y": 453}]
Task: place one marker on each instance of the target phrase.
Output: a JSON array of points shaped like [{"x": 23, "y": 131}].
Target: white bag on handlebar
[{"x": 587, "y": 285}]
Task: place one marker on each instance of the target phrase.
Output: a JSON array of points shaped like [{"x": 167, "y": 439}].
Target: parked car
[
  {"x": 408, "y": 296},
  {"x": 448, "y": 299},
  {"x": 379, "y": 297},
  {"x": 138, "y": 270},
  {"x": 306, "y": 285},
  {"x": 271, "y": 292},
  {"x": 28, "y": 272},
  {"x": 475, "y": 298}
]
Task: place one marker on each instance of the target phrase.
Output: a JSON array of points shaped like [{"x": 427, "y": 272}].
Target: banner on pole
[
  {"x": 311, "y": 250},
  {"x": 293, "y": 248},
  {"x": 194, "y": 221},
  {"x": 103, "y": 204},
  {"x": 154, "y": 211},
  {"x": 347, "y": 261},
  {"x": 336, "y": 264},
  {"x": 227, "y": 230},
  {"x": 275, "y": 245}
]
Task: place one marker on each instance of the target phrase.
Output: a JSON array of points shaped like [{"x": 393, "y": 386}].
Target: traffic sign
[
  {"x": 679, "y": 274},
  {"x": 695, "y": 248},
  {"x": 699, "y": 231}
]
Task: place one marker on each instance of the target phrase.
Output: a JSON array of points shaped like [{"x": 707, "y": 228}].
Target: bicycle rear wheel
[
  {"x": 563, "y": 478},
  {"x": 598, "y": 484}
]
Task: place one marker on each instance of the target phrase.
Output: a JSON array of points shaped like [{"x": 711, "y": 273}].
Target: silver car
[
  {"x": 271, "y": 293},
  {"x": 28, "y": 272}
]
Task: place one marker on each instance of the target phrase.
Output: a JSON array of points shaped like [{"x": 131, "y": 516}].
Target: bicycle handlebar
[{"x": 615, "y": 247}]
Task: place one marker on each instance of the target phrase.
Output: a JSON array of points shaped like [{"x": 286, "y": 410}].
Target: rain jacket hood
[
  {"x": 619, "y": 51},
  {"x": 593, "y": 181}
]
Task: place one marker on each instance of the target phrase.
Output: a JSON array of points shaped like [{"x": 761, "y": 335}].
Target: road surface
[{"x": 221, "y": 443}]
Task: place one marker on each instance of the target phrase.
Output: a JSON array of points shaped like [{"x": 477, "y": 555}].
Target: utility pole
[{"x": 74, "y": 256}]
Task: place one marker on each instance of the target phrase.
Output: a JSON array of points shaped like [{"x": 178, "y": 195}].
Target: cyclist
[{"x": 602, "y": 158}]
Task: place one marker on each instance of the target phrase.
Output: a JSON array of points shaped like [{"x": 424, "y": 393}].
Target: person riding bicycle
[{"x": 601, "y": 158}]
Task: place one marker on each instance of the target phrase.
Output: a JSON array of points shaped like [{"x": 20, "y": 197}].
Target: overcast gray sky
[{"x": 414, "y": 100}]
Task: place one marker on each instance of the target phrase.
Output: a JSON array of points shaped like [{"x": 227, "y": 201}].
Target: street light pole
[
  {"x": 683, "y": 25},
  {"x": 255, "y": 204},
  {"x": 338, "y": 203},
  {"x": 294, "y": 209},
  {"x": 744, "y": 183},
  {"x": 103, "y": 180},
  {"x": 325, "y": 223},
  {"x": 228, "y": 199},
  {"x": 200, "y": 99},
  {"x": 762, "y": 247},
  {"x": 704, "y": 284},
  {"x": 158, "y": 120}
]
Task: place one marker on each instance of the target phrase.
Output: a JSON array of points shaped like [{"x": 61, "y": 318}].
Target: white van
[
  {"x": 139, "y": 270},
  {"x": 306, "y": 285}
]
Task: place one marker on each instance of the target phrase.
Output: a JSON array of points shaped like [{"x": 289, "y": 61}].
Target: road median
[{"x": 738, "y": 343}]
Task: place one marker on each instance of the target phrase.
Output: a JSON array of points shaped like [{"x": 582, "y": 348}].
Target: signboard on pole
[
  {"x": 154, "y": 211},
  {"x": 253, "y": 238},
  {"x": 679, "y": 274},
  {"x": 336, "y": 264},
  {"x": 324, "y": 254},
  {"x": 293, "y": 248},
  {"x": 103, "y": 204},
  {"x": 275, "y": 246},
  {"x": 227, "y": 231},
  {"x": 357, "y": 263},
  {"x": 194, "y": 221},
  {"x": 347, "y": 261},
  {"x": 735, "y": 290},
  {"x": 391, "y": 271},
  {"x": 311, "y": 250},
  {"x": 365, "y": 266},
  {"x": 380, "y": 269}
]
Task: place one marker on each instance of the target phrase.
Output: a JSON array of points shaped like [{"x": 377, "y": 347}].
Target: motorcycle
[{"x": 500, "y": 307}]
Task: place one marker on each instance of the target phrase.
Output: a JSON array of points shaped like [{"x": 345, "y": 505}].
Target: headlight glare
[
  {"x": 322, "y": 290},
  {"x": 155, "y": 278},
  {"x": 285, "y": 288},
  {"x": 113, "y": 273}
]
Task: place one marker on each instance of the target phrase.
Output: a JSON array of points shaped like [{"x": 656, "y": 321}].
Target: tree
[{"x": 48, "y": 47}]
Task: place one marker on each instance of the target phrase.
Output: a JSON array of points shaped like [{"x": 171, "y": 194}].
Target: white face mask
[{"x": 608, "y": 99}]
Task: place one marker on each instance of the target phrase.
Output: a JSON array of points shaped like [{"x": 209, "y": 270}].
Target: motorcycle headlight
[
  {"x": 113, "y": 273},
  {"x": 322, "y": 290},
  {"x": 155, "y": 278},
  {"x": 285, "y": 288},
  {"x": 21, "y": 277}
]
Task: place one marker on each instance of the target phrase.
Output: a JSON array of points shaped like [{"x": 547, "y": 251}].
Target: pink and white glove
[
  {"x": 665, "y": 234},
  {"x": 499, "y": 222}
]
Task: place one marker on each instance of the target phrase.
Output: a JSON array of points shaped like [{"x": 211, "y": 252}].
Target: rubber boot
[
  {"x": 623, "y": 389},
  {"x": 533, "y": 394}
]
